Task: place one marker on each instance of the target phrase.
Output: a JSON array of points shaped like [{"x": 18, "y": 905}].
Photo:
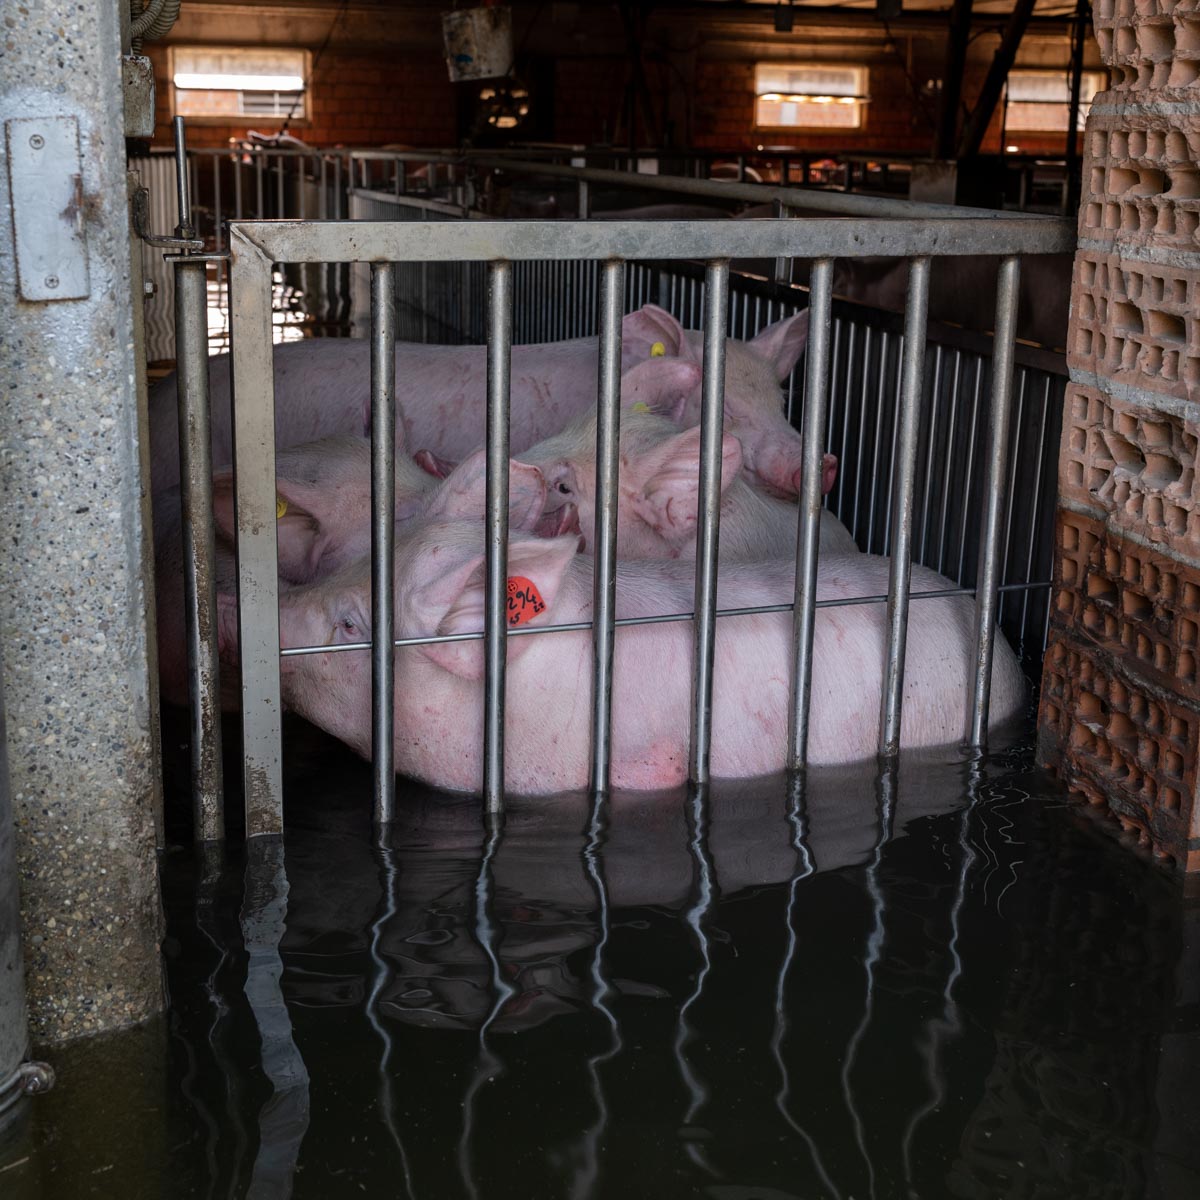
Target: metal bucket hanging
[{"x": 478, "y": 42}]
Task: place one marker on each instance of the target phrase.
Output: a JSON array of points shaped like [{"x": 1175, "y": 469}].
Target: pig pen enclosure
[
  {"x": 782, "y": 987},
  {"x": 946, "y": 453}
]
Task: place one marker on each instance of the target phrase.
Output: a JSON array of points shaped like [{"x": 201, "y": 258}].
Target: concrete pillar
[
  {"x": 14, "y": 1030},
  {"x": 84, "y": 773},
  {"x": 1120, "y": 709}
]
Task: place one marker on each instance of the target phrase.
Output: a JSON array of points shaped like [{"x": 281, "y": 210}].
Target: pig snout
[{"x": 558, "y": 521}]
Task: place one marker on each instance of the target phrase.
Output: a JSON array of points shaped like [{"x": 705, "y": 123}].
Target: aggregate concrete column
[
  {"x": 14, "y": 1030},
  {"x": 72, "y": 600},
  {"x": 1120, "y": 709}
]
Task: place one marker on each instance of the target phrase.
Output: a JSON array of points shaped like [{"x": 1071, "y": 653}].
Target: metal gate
[{"x": 256, "y": 246}]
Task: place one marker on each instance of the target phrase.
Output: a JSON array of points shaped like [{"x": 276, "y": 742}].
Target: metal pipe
[
  {"x": 197, "y": 532},
  {"x": 383, "y": 535},
  {"x": 199, "y": 548},
  {"x": 499, "y": 359},
  {"x": 716, "y": 302},
  {"x": 816, "y": 402},
  {"x": 905, "y": 478},
  {"x": 988, "y": 579},
  {"x": 584, "y": 203},
  {"x": 608, "y": 433},
  {"x": 182, "y": 191}
]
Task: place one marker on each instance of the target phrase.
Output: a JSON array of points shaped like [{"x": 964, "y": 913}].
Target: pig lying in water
[
  {"x": 323, "y": 523},
  {"x": 658, "y": 493},
  {"x": 439, "y": 700},
  {"x": 322, "y": 387}
]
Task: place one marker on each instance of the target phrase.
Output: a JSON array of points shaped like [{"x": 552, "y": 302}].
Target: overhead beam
[
  {"x": 952, "y": 77},
  {"x": 993, "y": 85}
]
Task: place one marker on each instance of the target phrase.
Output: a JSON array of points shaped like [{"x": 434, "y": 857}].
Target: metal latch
[{"x": 141, "y": 225}]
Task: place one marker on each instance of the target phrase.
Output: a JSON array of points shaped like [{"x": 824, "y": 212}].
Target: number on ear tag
[{"x": 524, "y": 600}]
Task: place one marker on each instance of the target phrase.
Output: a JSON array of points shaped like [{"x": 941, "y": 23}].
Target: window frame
[
  {"x": 303, "y": 114},
  {"x": 1099, "y": 74},
  {"x": 862, "y": 96}
]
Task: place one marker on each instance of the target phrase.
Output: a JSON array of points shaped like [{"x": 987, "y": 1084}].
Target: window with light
[
  {"x": 809, "y": 96},
  {"x": 236, "y": 82},
  {"x": 1040, "y": 101}
]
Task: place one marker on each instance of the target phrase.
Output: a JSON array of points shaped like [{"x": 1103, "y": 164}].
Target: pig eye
[{"x": 561, "y": 487}]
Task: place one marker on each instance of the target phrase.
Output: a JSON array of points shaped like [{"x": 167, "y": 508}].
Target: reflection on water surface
[{"x": 942, "y": 982}]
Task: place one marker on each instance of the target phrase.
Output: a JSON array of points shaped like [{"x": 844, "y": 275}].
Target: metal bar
[
  {"x": 660, "y": 619},
  {"x": 905, "y": 478},
  {"x": 499, "y": 359},
  {"x": 816, "y": 403},
  {"x": 988, "y": 578},
  {"x": 815, "y": 237},
  {"x": 608, "y": 432},
  {"x": 584, "y": 202},
  {"x": 383, "y": 535},
  {"x": 199, "y": 549},
  {"x": 182, "y": 190},
  {"x": 257, "y": 554},
  {"x": 716, "y": 301},
  {"x": 843, "y": 203}
]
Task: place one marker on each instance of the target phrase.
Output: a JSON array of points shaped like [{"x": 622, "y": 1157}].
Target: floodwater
[{"x": 945, "y": 982}]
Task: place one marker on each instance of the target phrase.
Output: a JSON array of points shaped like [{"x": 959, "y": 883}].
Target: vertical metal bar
[
  {"x": 608, "y": 431},
  {"x": 783, "y": 266},
  {"x": 218, "y": 215},
  {"x": 237, "y": 189},
  {"x": 499, "y": 359},
  {"x": 257, "y": 554},
  {"x": 988, "y": 579},
  {"x": 199, "y": 542},
  {"x": 716, "y": 300},
  {"x": 383, "y": 534},
  {"x": 816, "y": 402},
  {"x": 970, "y": 471},
  {"x": 199, "y": 549},
  {"x": 259, "y": 159},
  {"x": 182, "y": 191},
  {"x": 584, "y": 204},
  {"x": 931, "y": 442},
  {"x": 905, "y": 478}
]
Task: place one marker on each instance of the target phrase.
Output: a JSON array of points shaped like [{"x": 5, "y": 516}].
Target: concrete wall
[{"x": 72, "y": 604}]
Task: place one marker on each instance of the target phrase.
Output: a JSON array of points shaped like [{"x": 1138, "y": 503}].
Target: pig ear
[
  {"x": 535, "y": 569},
  {"x": 297, "y": 530},
  {"x": 651, "y": 332},
  {"x": 670, "y": 499},
  {"x": 782, "y": 344},
  {"x": 463, "y": 494},
  {"x": 663, "y": 385},
  {"x": 297, "y": 534},
  {"x": 433, "y": 464},
  {"x": 227, "y": 628}
]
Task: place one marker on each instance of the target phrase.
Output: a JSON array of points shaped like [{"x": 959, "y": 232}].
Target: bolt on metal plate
[{"x": 45, "y": 178}]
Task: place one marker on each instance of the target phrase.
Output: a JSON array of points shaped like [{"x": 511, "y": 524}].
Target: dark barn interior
[{"x": 818, "y": 381}]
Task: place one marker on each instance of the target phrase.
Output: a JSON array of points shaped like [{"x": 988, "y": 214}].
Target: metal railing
[{"x": 256, "y": 246}]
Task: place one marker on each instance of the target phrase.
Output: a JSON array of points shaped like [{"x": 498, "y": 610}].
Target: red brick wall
[{"x": 354, "y": 99}]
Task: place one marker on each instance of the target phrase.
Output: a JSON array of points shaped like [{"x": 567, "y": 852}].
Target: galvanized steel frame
[{"x": 256, "y": 246}]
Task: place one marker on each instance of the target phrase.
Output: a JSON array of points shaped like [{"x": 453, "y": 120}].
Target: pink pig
[
  {"x": 439, "y": 698},
  {"x": 658, "y": 493},
  {"x": 322, "y": 387}
]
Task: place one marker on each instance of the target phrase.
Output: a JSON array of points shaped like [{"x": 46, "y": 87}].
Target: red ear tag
[{"x": 524, "y": 600}]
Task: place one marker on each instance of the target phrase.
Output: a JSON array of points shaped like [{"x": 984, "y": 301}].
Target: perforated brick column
[{"x": 1120, "y": 710}]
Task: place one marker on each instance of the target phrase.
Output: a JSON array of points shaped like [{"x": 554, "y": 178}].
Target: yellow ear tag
[
  {"x": 640, "y": 406},
  {"x": 280, "y": 506},
  {"x": 658, "y": 350}
]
